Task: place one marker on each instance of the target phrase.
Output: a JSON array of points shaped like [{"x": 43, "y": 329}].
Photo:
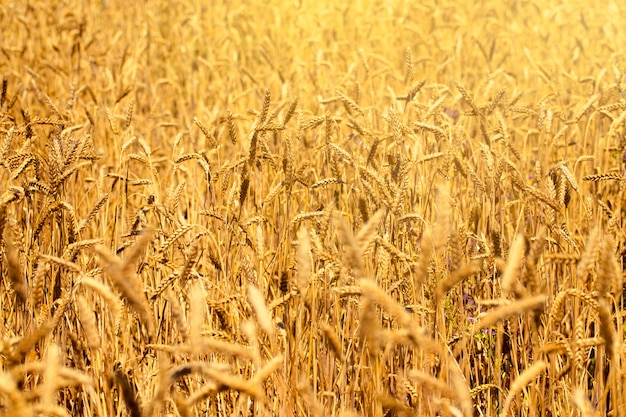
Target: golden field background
[{"x": 309, "y": 208}]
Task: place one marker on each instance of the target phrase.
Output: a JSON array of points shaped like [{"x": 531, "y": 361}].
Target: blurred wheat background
[{"x": 312, "y": 208}]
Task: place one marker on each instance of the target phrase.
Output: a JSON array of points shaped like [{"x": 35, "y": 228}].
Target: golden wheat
[{"x": 247, "y": 209}]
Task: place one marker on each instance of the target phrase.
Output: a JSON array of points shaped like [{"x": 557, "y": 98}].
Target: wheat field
[{"x": 311, "y": 208}]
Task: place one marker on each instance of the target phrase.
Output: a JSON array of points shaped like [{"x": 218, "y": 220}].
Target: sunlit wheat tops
[{"x": 312, "y": 208}]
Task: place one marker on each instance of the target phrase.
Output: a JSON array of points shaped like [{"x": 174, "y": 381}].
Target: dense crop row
[{"x": 312, "y": 208}]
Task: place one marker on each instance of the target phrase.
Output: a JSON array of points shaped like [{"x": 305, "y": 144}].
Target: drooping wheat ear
[
  {"x": 205, "y": 131},
  {"x": 391, "y": 248},
  {"x": 547, "y": 199},
  {"x": 103, "y": 291},
  {"x": 290, "y": 111},
  {"x": 439, "y": 133},
  {"x": 71, "y": 251},
  {"x": 61, "y": 263},
  {"x": 52, "y": 208},
  {"x": 226, "y": 175},
  {"x": 415, "y": 88},
  {"x": 244, "y": 181},
  {"x": 585, "y": 107},
  {"x": 214, "y": 252},
  {"x": 323, "y": 183},
  {"x": 51, "y": 106},
  {"x": 232, "y": 130},
  {"x": 226, "y": 381},
  {"x": 524, "y": 305},
  {"x": 370, "y": 175},
  {"x": 483, "y": 387},
  {"x": 87, "y": 319},
  {"x": 468, "y": 98},
  {"x": 164, "y": 285},
  {"x": 262, "y": 313},
  {"x": 521, "y": 382},
  {"x": 128, "y": 117},
  {"x": 174, "y": 237},
  {"x": 500, "y": 98},
  {"x": 456, "y": 277},
  {"x": 408, "y": 60},
  {"x": 609, "y": 276},
  {"x": 556, "y": 311},
  {"x": 312, "y": 123},
  {"x": 552, "y": 182},
  {"x": 273, "y": 193},
  {"x": 284, "y": 285},
  {"x": 350, "y": 104},
  {"x": 461, "y": 165},
  {"x": 266, "y": 107},
  {"x": 578, "y": 350},
  {"x": 569, "y": 176},
  {"x": 252, "y": 148},
  {"x": 479, "y": 184},
  {"x": 588, "y": 259},
  {"x": 395, "y": 124},
  {"x": 6, "y": 145},
  {"x": 112, "y": 121},
  {"x": 609, "y": 176},
  {"x": 173, "y": 197},
  {"x": 38, "y": 285},
  {"x": 191, "y": 260},
  {"x": 430, "y": 383},
  {"x": 382, "y": 261},
  {"x": 25, "y": 162},
  {"x": 561, "y": 187}
]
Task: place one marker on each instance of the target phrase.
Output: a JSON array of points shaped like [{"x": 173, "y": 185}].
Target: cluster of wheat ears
[{"x": 312, "y": 208}]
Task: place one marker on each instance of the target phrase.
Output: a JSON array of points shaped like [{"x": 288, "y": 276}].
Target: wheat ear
[{"x": 521, "y": 382}]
